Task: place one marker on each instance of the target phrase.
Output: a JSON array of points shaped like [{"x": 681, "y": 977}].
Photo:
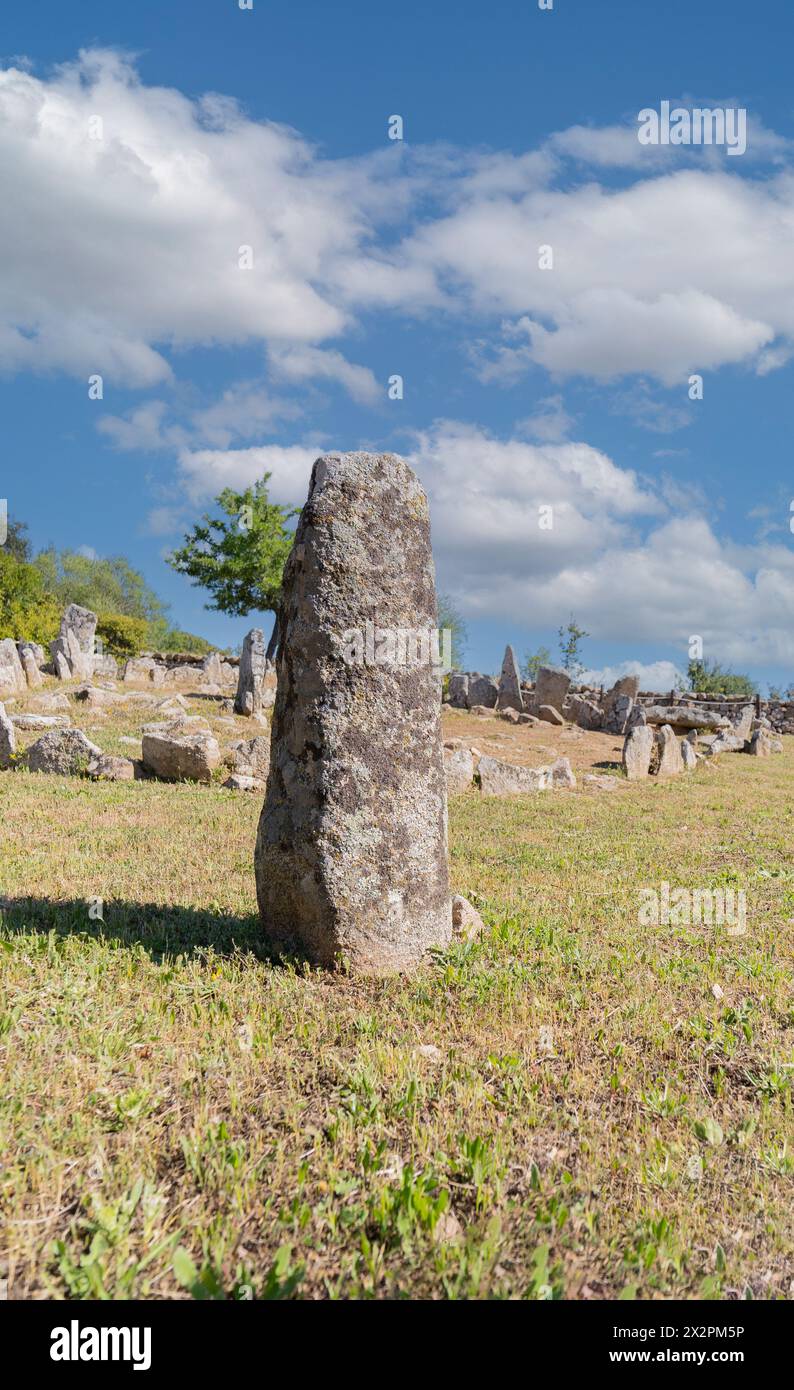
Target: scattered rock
[
  {"x": 241, "y": 782},
  {"x": 184, "y": 750},
  {"x": 550, "y": 715},
  {"x": 600, "y": 783},
  {"x": 467, "y": 924},
  {"x": 33, "y": 722},
  {"x": 458, "y": 766},
  {"x": 107, "y": 768},
  {"x": 498, "y": 778},
  {"x": 62, "y": 751},
  {"x": 551, "y": 687}
]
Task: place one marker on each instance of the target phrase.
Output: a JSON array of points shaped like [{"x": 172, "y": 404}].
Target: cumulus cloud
[
  {"x": 617, "y": 556},
  {"x": 205, "y": 471},
  {"x": 654, "y": 675},
  {"x": 685, "y": 266}
]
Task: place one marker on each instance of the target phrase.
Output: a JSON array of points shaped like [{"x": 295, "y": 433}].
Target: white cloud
[
  {"x": 662, "y": 676},
  {"x": 317, "y": 364},
  {"x": 629, "y": 570},
  {"x": 205, "y": 471}
]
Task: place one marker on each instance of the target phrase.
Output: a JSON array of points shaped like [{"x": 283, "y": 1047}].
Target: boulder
[
  {"x": 458, "y": 766},
  {"x": 458, "y": 690},
  {"x": 210, "y": 672},
  {"x": 251, "y": 675},
  {"x": 64, "y": 751},
  {"x": 351, "y": 853},
  {"x": 585, "y": 713},
  {"x": 509, "y": 691},
  {"x": 241, "y": 782},
  {"x": 467, "y": 924},
  {"x": 482, "y": 711},
  {"x": 742, "y": 721},
  {"x": 685, "y": 717},
  {"x": 8, "y": 739},
  {"x": 551, "y": 687},
  {"x": 617, "y": 716},
  {"x": 252, "y": 757},
  {"x": 499, "y": 778},
  {"x": 760, "y": 745},
  {"x": 637, "y": 751},
  {"x": 12, "y": 675},
  {"x": 74, "y": 644},
  {"x": 550, "y": 715},
  {"x": 138, "y": 668},
  {"x": 184, "y": 750},
  {"x": 483, "y": 690},
  {"x": 106, "y": 768},
  {"x": 34, "y": 722}
]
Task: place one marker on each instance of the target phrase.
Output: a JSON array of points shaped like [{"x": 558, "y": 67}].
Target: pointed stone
[
  {"x": 351, "y": 853},
  {"x": 253, "y": 666},
  {"x": 509, "y": 696}
]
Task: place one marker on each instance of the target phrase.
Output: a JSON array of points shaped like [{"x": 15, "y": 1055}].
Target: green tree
[
  {"x": 533, "y": 662},
  {"x": 16, "y": 541},
  {"x": 103, "y": 585},
  {"x": 240, "y": 555},
  {"x": 448, "y": 616},
  {"x": 571, "y": 638},
  {"x": 27, "y": 611},
  {"x": 713, "y": 679}
]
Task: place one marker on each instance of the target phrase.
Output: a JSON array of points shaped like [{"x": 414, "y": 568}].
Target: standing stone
[
  {"x": 458, "y": 690},
  {"x": 251, "y": 675},
  {"x": 210, "y": 670},
  {"x": 688, "y": 755},
  {"x": 509, "y": 696},
  {"x": 8, "y": 739},
  {"x": 551, "y": 687},
  {"x": 626, "y": 686},
  {"x": 637, "y": 752},
  {"x": 12, "y": 675},
  {"x": 75, "y": 643},
  {"x": 585, "y": 713},
  {"x": 351, "y": 853},
  {"x": 617, "y": 714},
  {"x": 483, "y": 690},
  {"x": 670, "y": 760},
  {"x": 743, "y": 721}
]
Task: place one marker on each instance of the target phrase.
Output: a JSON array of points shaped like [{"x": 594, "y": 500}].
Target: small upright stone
[
  {"x": 8, "y": 739},
  {"x": 12, "y": 675},
  {"x": 253, "y": 666},
  {"x": 75, "y": 643},
  {"x": 509, "y": 696},
  {"x": 551, "y": 687},
  {"x": 351, "y": 854},
  {"x": 670, "y": 760},
  {"x": 637, "y": 752}
]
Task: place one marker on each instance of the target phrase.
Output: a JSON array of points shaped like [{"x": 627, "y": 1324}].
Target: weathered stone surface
[
  {"x": 509, "y": 695},
  {"x": 483, "y": 690},
  {"x": 8, "y": 739},
  {"x": 37, "y": 651},
  {"x": 12, "y": 675},
  {"x": 138, "y": 668},
  {"x": 637, "y": 751},
  {"x": 105, "y": 665},
  {"x": 252, "y": 757},
  {"x": 511, "y": 716},
  {"x": 760, "y": 745},
  {"x": 62, "y": 668},
  {"x": 467, "y": 924},
  {"x": 242, "y": 782},
  {"x": 458, "y": 766},
  {"x": 550, "y": 715},
  {"x": 585, "y": 713},
  {"x": 551, "y": 687},
  {"x": 75, "y": 643},
  {"x": 670, "y": 761},
  {"x": 617, "y": 716},
  {"x": 635, "y": 719},
  {"x": 458, "y": 690},
  {"x": 30, "y": 668},
  {"x": 107, "y": 768},
  {"x": 51, "y": 703},
  {"x": 184, "y": 750},
  {"x": 598, "y": 783},
  {"x": 250, "y": 679},
  {"x": 32, "y": 722},
  {"x": 742, "y": 721},
  {"x": 482, "y": 711},
  {"x": 688, "y": 755},
  {"x": 624, "y": 692},
  {"x": 351, "y": 854},
  {"x": 499, "y": 778},
  {"x": 63, "y": 751},
  {"x": 685, "y": 717},
  {"x": 210, "y": 672}
]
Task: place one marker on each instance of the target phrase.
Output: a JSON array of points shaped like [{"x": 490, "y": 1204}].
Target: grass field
[{"x": 576, "y": 1106}]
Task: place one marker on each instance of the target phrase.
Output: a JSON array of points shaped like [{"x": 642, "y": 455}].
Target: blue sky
[{"x": 522, "y": 387}]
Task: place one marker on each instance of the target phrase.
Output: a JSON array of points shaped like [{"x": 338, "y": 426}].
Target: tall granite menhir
[{"x": 351, "y": 853}]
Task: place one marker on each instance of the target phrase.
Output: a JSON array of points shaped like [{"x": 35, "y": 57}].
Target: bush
[
  {"x": 121, "y": 635},
  {"x": 27, "y": 610},
  {"x": 174, "y": 640}
]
